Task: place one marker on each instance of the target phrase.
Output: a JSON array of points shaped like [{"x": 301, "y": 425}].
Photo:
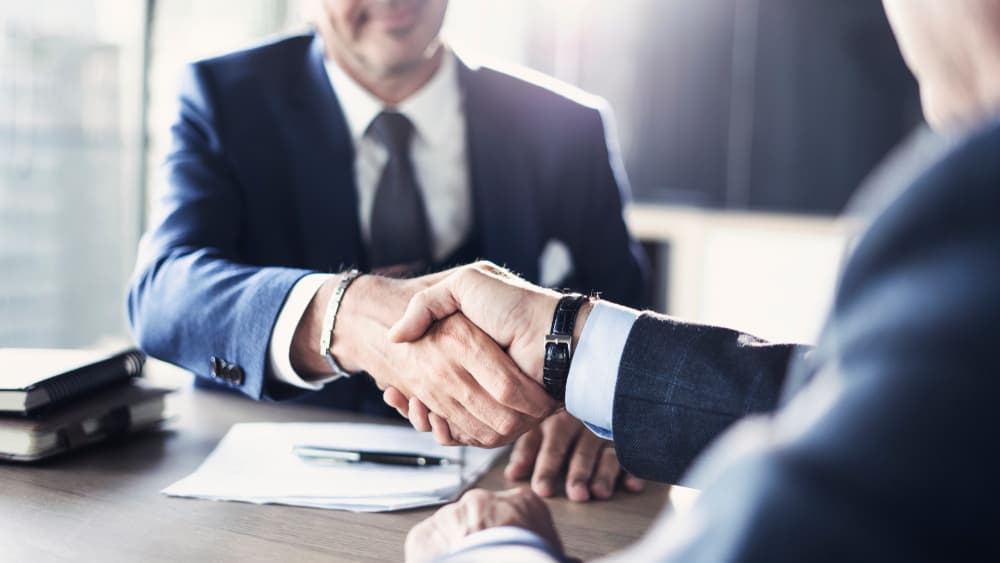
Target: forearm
[
  {"x": 369, "y": 307},
  {"x": 681, "y": 384},
  {"x": 188, "y": 305}
]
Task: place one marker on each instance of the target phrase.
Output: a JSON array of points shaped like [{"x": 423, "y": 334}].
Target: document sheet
[{"x": 255, "y": 463}]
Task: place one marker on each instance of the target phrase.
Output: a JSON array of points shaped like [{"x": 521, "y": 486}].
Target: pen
[{"x": 324, "y": 453}]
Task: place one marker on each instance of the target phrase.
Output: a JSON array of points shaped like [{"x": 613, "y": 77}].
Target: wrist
[
  {"x": 528, "y": 351},
  {"x": 305, "y": 354},
  {"x": 581, "y": 320},
  {"x": 370, "y": 307}
]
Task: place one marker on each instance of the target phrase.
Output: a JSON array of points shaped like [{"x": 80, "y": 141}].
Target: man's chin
[{"x": 404, "y": 63}]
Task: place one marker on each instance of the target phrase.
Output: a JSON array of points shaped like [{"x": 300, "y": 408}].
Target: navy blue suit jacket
[
  {"x": 881, "y": 444},
  {"x": 260, "y": 191}
]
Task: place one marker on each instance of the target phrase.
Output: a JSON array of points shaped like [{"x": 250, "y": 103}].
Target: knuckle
[
  {"x": 507, "y": 391},
  {"x": 493, "y": 441},
  {"x": 508, "y": 425},
  {"x": 476, "y": 496}
]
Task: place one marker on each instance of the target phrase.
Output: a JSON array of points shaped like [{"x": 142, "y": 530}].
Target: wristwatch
[{"x": 559, "y": 345}]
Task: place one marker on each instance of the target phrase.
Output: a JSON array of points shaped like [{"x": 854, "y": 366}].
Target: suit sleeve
[
  {"x": 681, "y": 384},
  {"x": 605, "y": 256},
  {"x": 889, "y": 453},
  {"x": 192, "y": 298}
]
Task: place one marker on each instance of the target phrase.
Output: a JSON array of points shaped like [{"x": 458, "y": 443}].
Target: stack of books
[{"x": 54, "y": 401}]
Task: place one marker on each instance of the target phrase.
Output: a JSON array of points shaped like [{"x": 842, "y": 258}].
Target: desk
[{"x": 104, "y": 504}]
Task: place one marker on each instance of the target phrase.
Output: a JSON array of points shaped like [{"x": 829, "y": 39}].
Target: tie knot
[{"x": 393, "y": 130}]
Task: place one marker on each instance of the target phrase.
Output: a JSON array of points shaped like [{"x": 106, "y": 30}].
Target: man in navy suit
[
  {"x": 371, "y": 145},
  {"x": 879, "y": 445}
]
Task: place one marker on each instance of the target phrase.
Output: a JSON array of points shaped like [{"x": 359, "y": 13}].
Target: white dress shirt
[
  {"x": 441, "y": 165},
  {"x": 590, "y": 397},
  {"x": 593, "y": 373}
]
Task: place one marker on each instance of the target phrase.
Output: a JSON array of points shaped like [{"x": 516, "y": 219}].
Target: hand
[
  {"x": 457, "y": 370},
  {"x": 542, "y": 453},
  {"x": 479, "y": 510},
  {"x": 515, "y": 313},
  {"x": 563, "y": 441}
]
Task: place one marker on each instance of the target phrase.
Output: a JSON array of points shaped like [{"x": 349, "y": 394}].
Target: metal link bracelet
[{"x": 330, "y": 319}]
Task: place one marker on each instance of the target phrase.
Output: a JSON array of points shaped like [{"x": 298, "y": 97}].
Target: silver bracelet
[{"x": 330, "y": 319}]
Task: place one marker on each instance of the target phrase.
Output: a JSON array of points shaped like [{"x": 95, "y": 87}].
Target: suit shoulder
[
  {"x": 530, "y": 89},
  {"x": 949, "y": 211},
  {"x": 264, "y": 58},
  {"x": 964, "y": 181}
]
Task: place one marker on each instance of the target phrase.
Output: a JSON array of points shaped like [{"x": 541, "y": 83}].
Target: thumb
[{"x": 425, "y": 307}]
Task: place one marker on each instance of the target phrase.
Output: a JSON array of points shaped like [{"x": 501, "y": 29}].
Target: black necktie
[{"x": 400, "y": 235}]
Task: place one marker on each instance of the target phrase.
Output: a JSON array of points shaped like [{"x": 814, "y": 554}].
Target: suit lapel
[
  {"x": 505, "y": 210},
  {"x": 323, "y": 169}
]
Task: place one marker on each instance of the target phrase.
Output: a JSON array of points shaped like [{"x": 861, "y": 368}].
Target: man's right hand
[
  {"x": 456, "y": 370},
  {"x": 514, "y": 312}
]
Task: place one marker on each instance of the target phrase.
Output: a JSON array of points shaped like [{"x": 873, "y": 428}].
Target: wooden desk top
[{"x": 104, "y": 504}]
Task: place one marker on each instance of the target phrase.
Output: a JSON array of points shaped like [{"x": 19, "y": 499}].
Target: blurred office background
[{"x": 746, "y": 125}]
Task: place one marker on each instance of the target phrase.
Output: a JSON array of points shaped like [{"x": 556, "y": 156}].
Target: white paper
[{"x": 255, "y": 463}]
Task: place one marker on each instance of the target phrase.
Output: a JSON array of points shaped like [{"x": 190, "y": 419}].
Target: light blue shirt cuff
[
  {"x": 500, "y": 536},
  {"x": 593, "y": 374}
]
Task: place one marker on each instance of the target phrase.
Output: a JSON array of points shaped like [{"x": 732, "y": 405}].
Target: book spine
[{"x": 88, "y": 378}]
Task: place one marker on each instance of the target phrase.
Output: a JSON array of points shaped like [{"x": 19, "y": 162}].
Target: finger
[
  {"x": 426, "y": 306},
  {"x": 582, "y": 465},
  {"x": 396, "y": 400},
  {"x": 551, "y": 457},
  {"x": 472, "y": 412},
  {"x": 459, "y": 400},
  {"x": 522, "y": 456},
  {"x": 440, "y": 430},
  {"x": 632, "y": 483},
  {"x": 496, "y": 372},
  {"x": 418, "y": 415},
  {"x": 603, "y": 484}
]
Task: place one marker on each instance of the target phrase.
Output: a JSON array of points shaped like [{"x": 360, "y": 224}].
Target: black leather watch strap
[{"x": 559, "y": 345}]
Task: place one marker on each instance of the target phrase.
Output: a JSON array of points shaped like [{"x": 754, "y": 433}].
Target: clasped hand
[{"x": 516, "y": 315}]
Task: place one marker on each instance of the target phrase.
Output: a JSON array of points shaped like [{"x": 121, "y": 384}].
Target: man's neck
[{"x": 395, "y": 86}]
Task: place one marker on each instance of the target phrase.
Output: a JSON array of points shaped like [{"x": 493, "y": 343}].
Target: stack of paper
[{"x": 255, "y": 463}]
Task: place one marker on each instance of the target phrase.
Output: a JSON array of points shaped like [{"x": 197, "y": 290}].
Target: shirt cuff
[
  {"x": 502, "y": 536},
  {"x": 280, "y": 349},
  {"x": 593, "y": 373}
]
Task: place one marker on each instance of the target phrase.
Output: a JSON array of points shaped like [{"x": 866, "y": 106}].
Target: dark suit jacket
[
  {"x": 884, "y": 443},
  {"x": 260, "y": 191}
]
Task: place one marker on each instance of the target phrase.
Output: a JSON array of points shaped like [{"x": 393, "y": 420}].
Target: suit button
[
  {"x": 217, "y": 367},
  {"x": 235, "y": 374}
]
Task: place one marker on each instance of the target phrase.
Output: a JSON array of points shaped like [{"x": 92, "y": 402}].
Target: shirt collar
[{"x": 424, "y": 108}]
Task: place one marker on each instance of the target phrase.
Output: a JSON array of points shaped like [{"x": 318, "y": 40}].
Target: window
[{"x": 70, "y": 167}]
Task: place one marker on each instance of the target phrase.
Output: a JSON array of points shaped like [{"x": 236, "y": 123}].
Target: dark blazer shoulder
[
  {"x": 260, "y": 60},
  {"x": 958, "y": 194},
  {"x": 528, "y": 96}
]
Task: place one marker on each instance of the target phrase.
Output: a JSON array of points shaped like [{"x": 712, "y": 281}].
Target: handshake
[
  {"x": 501, "y": 397},
  {"x": 460, "y": 354}
]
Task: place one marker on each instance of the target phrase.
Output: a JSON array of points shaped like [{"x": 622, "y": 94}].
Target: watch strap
[{"x": 559, "y": 345}]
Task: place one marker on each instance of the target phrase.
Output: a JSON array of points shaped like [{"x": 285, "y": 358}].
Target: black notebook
[
  {"x": 34, "y": 378},
  {"x": 111, "y": 413}
]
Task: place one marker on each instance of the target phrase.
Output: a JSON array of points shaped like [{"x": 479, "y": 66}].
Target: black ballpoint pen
[{"x": 323, "y": 453}]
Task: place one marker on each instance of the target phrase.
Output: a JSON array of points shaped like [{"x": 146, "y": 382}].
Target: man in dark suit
[
  {"x": 879, "y": 445},
  {"x": 371, "y": 145}
]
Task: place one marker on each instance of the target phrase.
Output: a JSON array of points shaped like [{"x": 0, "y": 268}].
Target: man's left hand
[
  {"x": 563, "y": 441},
  {"x": 478, "y": 510},
  {"x": 592, "y": 468}
]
